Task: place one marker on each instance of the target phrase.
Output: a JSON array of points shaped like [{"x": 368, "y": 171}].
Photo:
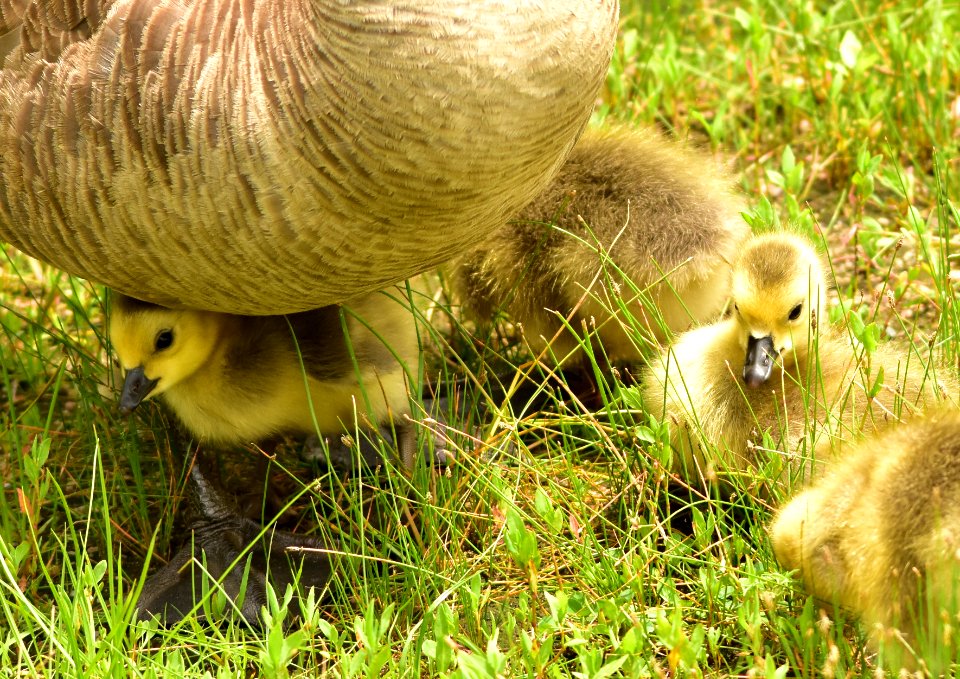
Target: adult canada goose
[
  {"x": 775, "y": 365},
  {"x": 233, "y": 379},
  {"x": 629, "y": 205},
  {"x": 879, "y": 534},
  {"x": 275, "y": 156}
]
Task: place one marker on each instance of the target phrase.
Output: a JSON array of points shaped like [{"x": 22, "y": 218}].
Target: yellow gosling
[
  {"x": 776, "y": 365},
  {"x": 879, "y": 535},
  {"x": 234, "y": 379},
  {"x": 638, "y": 217}
]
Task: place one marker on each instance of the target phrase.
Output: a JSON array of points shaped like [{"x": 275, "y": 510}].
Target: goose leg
[{"x": 231, "y": 554}]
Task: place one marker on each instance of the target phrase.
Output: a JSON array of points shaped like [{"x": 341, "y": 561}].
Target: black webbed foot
[{"x": 228, "y": 554}]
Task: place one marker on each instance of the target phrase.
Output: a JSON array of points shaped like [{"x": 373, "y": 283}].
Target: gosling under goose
[
  {"x": 233, "y": 379},
  {"x": 236, "y": 379},
  {"x": 645, "y": 218}
]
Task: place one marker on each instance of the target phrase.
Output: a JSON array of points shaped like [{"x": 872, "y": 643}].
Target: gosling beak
[
  {"x": 759, "y": 363},
  {"x": 136, "y": 387}
]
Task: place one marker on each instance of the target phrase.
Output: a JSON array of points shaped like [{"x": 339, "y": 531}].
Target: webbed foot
[{"x": 233, "y": 556}]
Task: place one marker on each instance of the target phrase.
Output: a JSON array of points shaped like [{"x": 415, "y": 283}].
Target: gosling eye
[
  {"x": 736, "y": 307},
  {"x": 795, "y": 312},
  {"x": 163, "y": 341}
]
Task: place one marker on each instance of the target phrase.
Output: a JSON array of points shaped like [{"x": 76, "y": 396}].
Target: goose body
[
  {"x": 879, "y": 535},
  {"x": 236, "y": 379},
  {"x": 636, "y": 215},
  {"x": 774, "y": 365},
  {"x": 275, "y": 156}
]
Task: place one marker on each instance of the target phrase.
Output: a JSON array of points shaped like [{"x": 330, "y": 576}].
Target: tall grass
[{"x": 558, "y": 543}]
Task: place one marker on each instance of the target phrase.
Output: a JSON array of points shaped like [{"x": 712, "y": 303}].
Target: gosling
[
  {"x": 879, "y": 535},
  {"x": 236, "y": 379},
  {"x": 632, "y": 224},
  {"x": 775, "y": 366}
]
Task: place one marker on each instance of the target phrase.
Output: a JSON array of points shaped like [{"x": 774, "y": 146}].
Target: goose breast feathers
[{"x": 280, "y": 155}]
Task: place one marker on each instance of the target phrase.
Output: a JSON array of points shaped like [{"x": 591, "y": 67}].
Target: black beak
[
  {"x": 759, "y": 363},
  {"x": 135, "y": 388}
]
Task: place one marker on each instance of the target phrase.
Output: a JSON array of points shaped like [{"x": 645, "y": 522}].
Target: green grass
[{"x": 557, "y": 545}]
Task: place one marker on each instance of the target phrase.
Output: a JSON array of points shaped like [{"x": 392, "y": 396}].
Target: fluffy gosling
[
  {"x": 643, "y": 216},
  {"x": 879, "y": 535},
  {"x": 235, "y": 379},
  {"x": 774, "y": 365}
]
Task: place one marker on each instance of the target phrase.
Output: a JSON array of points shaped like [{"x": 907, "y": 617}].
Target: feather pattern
[{"x": 259, "y": 157}]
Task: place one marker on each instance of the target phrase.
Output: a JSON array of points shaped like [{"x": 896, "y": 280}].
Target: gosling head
[
  {"x": 778, "y": 289},
  {"x": 158, "y": 347}
]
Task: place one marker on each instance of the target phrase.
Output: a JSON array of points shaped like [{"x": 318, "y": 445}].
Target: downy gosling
[
  {"x": 879, "y": 535},
  {"x": 238, "y": 379},
  {"x": 776, "y": 365},
  {"x": 639, "y": 221}
]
